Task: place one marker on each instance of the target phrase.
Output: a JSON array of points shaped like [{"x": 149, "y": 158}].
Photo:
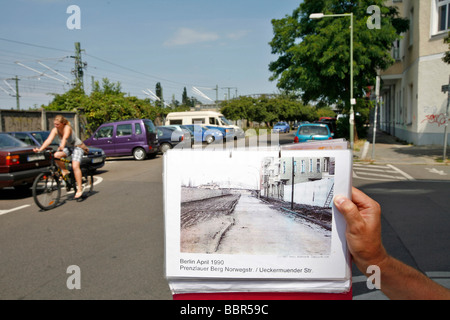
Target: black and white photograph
[{"x": 280, "y": 206}]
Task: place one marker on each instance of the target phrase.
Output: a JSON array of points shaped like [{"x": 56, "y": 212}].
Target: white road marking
[{"x": 2, "y": 212}]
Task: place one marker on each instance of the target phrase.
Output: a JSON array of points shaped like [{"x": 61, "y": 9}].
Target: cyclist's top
[{"x": 72, "y": 141}]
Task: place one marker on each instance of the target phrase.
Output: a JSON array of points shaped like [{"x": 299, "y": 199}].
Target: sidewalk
[{"x": 389, "y": 149}]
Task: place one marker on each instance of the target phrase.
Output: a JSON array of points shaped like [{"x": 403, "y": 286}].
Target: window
[
  {"x": 303, "y": 166},
  {"x": 440, "y": 16},
  {"x": 318, "y": 165},
  {"x": 137, "y": 128},
  {"x": 443, "y": 15},
  {"x": 124, "y": 130},
  {"x": 198, "y": 121},
  {"x": 310, "y": 165},
  {"x": 105, "y": 132}
]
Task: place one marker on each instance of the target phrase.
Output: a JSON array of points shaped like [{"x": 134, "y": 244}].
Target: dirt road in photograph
[{"x": 253, "y": 227}]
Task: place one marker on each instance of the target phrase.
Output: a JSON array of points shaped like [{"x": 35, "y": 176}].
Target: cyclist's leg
[
  {"x": 76, "y": 163},
  {"x": 62, "y": 165}
]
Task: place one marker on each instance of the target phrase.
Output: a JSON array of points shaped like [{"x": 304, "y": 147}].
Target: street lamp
[{"x": 352, "y": 100}]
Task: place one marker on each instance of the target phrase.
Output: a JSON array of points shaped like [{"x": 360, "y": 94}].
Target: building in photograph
[
  {"x": 306, "y": 173},
  {"x": 413, "y": 106}
]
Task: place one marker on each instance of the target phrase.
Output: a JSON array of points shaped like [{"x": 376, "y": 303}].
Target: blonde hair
[{"x": 63, "y": 120}]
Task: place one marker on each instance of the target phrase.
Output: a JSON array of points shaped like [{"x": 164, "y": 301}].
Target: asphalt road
[{"x": 116, "y": 235}]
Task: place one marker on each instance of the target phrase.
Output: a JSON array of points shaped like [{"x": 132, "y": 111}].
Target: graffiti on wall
[{"x": 434, "y": 117}]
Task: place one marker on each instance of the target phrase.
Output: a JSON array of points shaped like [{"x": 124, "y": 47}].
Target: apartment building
[{"x": 413, "y": 106}]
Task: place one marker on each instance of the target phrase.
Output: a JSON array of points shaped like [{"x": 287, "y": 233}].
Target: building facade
[
  {"x": 313, "y": 178},
  {"x": 413, "y": 106}
]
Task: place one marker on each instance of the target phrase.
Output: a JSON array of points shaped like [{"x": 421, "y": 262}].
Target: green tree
[
  {"x": 446, "y": 57},
  {"x": 313, "y": 55}
]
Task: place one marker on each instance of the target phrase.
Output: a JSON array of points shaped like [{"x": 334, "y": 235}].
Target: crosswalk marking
[{"x": 379, "y": 172}]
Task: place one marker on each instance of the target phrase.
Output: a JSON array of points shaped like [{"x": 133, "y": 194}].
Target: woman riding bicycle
[{"x": 69, "y": 145}]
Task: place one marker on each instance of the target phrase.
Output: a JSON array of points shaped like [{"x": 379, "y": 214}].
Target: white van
[{"x": 207, "y": 118}]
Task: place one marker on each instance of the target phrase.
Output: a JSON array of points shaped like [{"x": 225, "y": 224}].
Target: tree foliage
[
  {"x": 107, "y": 102},
  {"x": 268, "y": 110},
  {"x": 446, "y": 57},
  {"x": 314, "y": 55}
]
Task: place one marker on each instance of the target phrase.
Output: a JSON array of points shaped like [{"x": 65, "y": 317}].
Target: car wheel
[
  {"x": 164, "y": 147},
  {"x": 139, "y": 154},
  {"x": 209, "y": 139}
]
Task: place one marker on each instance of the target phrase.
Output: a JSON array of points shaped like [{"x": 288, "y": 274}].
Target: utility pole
[
  {"x": 446, "y": 89},
  {"x": 79, "y": 66},
  {"x": 17, "y": 93},
  {"x": 16, "y": 79}
]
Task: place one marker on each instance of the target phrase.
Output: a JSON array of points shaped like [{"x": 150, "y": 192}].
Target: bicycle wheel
[{"x": 46, "y": 191}]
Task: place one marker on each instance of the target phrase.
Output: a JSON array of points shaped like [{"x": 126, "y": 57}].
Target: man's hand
[{"x": 363, "y": 217}]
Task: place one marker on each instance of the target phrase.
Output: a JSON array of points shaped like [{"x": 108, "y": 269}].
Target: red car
[{"x": 19, "y": 164}]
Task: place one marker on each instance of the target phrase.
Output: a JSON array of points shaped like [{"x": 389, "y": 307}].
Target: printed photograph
[{"x": 275, "y": 206}]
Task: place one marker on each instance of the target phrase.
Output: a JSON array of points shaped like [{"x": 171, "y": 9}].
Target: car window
[
  {"x": 149, "y": 126},
  {"x": 124, "y": 130},
  {"x": 25, "y": 138},
  {"x": 105, "y": 132},
  {"x": 137, "y": 128},
  {"x": 198, "y": 121},
  {"x": 7, "y": 141},
  {"x": 310, "y": 130}
]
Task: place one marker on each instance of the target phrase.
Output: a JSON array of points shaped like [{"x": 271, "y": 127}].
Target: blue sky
[{"x": 195, "y": 43}]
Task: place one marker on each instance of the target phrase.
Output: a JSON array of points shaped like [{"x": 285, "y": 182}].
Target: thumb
[{"x": 348, "y": 209}]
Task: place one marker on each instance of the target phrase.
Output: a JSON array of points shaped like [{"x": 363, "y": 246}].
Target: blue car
[
  {"x": 228, "y": 133},
  {"x": 281, "y": 127},
  {"x": 204, "y": 134},
  {"x": 312, "y": 131}
]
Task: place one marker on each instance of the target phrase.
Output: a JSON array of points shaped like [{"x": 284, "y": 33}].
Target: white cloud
[
  {"x": 186, "y": 36},
  {"x": 238, "y": 34}
]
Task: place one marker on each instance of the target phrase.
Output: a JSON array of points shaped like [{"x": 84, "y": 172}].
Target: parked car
[
  {"x": 203, "y": 117},
  {"x": 204, "y": 134},
  {"x": 298, "y": 123},
  {"x": 19, "y": 164},
  {"x": 281, "y": 127},
  {"x": 137, "y": 138},
  {"x": 228, "y": 133},
  {"x": 330, "y": 122},
  {"x": 312, "y": 131},
  {"x": 170, "y": 137},
  {"x": 96, "y": 156}
]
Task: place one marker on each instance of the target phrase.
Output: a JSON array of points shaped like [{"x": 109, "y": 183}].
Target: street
[{"x": 116, "y": 236}]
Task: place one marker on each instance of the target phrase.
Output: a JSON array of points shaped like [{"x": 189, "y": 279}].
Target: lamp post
[{"x": 352, "y": 100}]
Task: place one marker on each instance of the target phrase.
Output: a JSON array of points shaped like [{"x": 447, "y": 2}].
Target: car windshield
[
  {"x": 226, "y": 121},
  {"x": 280, "y": 124},
  {"x": 150, "y": 126},
  {"x": 6, "y": 141},
  {"x": 313, "y": 130}
]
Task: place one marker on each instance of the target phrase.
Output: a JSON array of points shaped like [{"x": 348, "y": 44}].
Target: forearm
[{"x": 402, "y": 282}]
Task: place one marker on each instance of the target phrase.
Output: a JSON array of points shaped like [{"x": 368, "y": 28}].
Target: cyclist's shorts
[{"x": 76, "y": 153}]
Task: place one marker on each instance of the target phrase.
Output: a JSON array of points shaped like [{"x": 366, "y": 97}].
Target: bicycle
[{"x": 48, "y": 184}]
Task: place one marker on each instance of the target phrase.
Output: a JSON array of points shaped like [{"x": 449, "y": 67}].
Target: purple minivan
[{"x": 137, "y": 138}]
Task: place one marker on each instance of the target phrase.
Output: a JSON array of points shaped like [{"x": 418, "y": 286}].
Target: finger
[
  {"x": 348, "y": 209},
  {"x": 362, "y": 200}
]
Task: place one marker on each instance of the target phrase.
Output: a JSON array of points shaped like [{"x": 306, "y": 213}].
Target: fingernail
[{"x": 338, "y": 200}]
